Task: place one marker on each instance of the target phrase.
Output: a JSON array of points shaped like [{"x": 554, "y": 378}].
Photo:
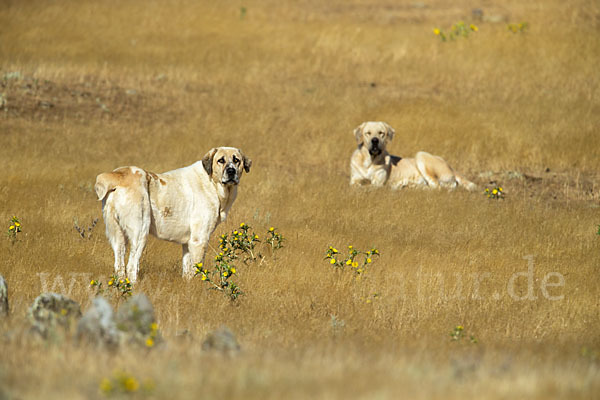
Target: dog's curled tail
[
  {"x": 465, "y": 183},
  {"x": 105, "y": 183}
]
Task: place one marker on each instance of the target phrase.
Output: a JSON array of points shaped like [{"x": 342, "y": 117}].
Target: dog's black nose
[
  {"x": 230, "y": 171},
  {"x": 375, "y": 141}
]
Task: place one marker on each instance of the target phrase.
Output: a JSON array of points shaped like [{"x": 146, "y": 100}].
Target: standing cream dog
[
  {"x": 372, "y": 164},
  {"x": 183, "y": 206}
]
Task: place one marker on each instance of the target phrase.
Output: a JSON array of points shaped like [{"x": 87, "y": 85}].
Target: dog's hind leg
[
  {"x": 116, "y": 237},
  {"x": 137, "y": 232},
  {"x": 421, "y": 162}
]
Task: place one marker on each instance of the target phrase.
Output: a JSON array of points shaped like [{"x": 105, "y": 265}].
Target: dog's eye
[
  {"x": 221, "y": 160},
  {"x": 236, "y": 160},
  {"x": 380, "y": 133}
]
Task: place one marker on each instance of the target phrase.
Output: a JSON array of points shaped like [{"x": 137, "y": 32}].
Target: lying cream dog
[
  {"x": 183, "y": 206},
  {"x": 372, "y": 164}
]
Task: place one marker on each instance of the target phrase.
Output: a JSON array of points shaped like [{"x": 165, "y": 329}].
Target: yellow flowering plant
[
  {"x": 352, "y": 259},
  {"x": 14, "y": 229},
  {"x": 516, "y": 28},
  {"x": 495, "y": 192},
  {"x": 459, "y": 332},
  {"x": 274, "y": 239},
  {"x": 123, "y": 383},
  {"x": 240, "y": 244},
  {"x": 122, "y": 286},
  {"x": 460, "y": 29}
]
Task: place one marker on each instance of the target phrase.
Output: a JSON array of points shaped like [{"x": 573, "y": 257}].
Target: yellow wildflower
[
  {"x": 436, "y": 31},
  {"x": 110, "y": 283},
  {"x": 474, "y": 28},
  {"x": 12, "y": 228},
  {"x": 349, "y": 262},
  {"x": 495, "y": 191},
  {"x": 131, "y": 384},
  {"x": 256, "y": 237},
  {"x": 149, "y": 342},
  {"x": 332, "y": 261},
  {"x": 204, "y": 277},
  {"x": 242, "y": 225},
  {"x": 354, "y": 264},
  {"x": 154, "y": 326},
  {"x": 334, "y": 250},
  {"x": 106, "y": 385},
  {"x": 500, "y": 189},
  {"x": 232, "y": 270},
  {"x": 369, "y": 260},
  {"x": 63, "y": 312},
  {"x": 17, "y": 224},
  {"x": 271, "y": 229},
  {"x": 226, "y": 274}
]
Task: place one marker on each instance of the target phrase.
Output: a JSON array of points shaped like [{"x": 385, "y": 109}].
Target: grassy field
[{"x": 87, "y": 86}]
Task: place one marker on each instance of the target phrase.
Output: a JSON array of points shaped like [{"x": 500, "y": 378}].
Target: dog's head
[
  {"x": 226, "y": 164},
  {"x": 374, "y": 136}
]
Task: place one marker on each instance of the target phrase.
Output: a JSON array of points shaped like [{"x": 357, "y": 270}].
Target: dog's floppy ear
[
  {"x": 358, "y": 132},
  {"x": 207, "y": 161},
  {"x": 389, "y": 131},
  {"x": 247, "y": 162}
]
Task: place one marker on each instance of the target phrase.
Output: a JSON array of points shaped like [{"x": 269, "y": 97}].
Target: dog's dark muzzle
[
  {"x": 374, "y": 149},
  {"x": 230, "y": 176}
]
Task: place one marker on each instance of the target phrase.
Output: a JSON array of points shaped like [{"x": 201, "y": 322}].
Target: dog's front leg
[
  {"x": 193, "y": 252},
  {"x": 379, "y": 177}
]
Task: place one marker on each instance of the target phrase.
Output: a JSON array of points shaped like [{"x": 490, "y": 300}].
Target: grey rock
[
  {"x": 136, "y": 320},
  {"x": 3, "y": 298},
  {"x": 221, "y": 340},
  {"x": 98, "y": 326},
  {"x": 53, "y": 313}
]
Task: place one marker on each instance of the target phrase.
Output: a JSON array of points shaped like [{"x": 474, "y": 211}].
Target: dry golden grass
[{"x": 157, "y": 84}]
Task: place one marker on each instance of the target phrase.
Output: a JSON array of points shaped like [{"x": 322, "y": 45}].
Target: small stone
[
  {"x": 3, "y": 298},
  {"x": 222, "y": 340},
  {"x": 98, "y": 326},
  {"x": 136, "y": 320},
  {"x": 51, "y": 311}
]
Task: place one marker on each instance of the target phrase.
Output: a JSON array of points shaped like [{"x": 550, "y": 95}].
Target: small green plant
[
  {"x": 352, "y": 259},
  {"x": 516, "y": 28},
  {"x": 495, "y": 192},
  {"x": 457, "y": 30},
  {"x": 459, "y": 332},
  {"x": 14, "y": 229},
  {"x": 240, "y": 245},
  {"x": 121, "y": 286}
]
